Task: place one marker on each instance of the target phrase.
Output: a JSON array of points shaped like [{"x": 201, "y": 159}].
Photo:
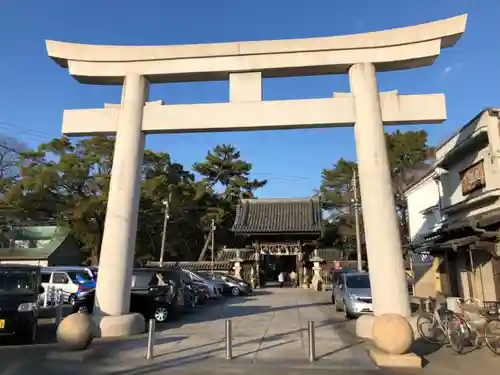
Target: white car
[{"x": 55, "y": 279}]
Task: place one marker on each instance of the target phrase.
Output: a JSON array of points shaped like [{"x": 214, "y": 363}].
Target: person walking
[
  {"x": 293, "y": 278},
  {"x": 281, "y": 279}
]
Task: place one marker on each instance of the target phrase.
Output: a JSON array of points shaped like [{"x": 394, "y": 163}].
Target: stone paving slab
[
  {"x": 269, "y": 333},
  {"x": 268, "y": 328}
]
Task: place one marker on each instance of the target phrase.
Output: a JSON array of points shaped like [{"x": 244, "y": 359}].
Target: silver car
[
  {"x": 233, "y": 285},
  {"x": 215, "y": 288},
  {"x": 352, "y": 294}
]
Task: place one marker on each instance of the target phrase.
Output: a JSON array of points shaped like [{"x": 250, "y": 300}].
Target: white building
[
  {"x": 423, "y": 202},
  {"x": 454, "y": 211}
]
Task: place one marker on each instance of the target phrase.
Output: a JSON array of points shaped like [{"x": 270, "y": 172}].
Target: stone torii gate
[{"x": 244, "y": 64}]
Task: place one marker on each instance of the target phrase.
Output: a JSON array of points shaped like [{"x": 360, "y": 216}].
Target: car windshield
[
  {"x": 358, "y": 282},
  {"x": 227, "y": 277},
  {"x": 205, "y": 275},
  {"x": 200, "y": 276},
  {"x": 17, "y": 281},
  {"x": 79, "y": 277}
]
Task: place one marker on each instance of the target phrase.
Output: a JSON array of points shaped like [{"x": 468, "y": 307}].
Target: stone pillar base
[
  {"x": 119, "y": 326},
  {"x": 383, "y": 359},
  {"x": 364, "y": 326}
]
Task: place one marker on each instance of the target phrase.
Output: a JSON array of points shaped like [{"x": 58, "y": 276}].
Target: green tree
[
  {"x": 10, "y": 152},
  {"x": 409, "y": 158},
  {"x": 223, "y": 166},
  {"x": 69, "y": 184},
  {"x": 337, "y": 196},
  {"x": 224, "y": 170},
  {"x": 164, "y": 181}
]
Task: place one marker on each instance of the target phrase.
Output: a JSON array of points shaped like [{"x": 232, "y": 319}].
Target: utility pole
[
  {"x": 356, "y": 218},
  {"x": 165, "y": 223},
  {"x": 212, "y": 245}
]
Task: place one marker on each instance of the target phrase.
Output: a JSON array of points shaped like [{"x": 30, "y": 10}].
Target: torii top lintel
[{"x": 394, "y": 49}]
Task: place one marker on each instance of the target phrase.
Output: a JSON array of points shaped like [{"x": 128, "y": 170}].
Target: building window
[{"x": 472, "y": 178}]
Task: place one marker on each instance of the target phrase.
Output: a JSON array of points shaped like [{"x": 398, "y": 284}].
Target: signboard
[{"x": 472, "y": 178}]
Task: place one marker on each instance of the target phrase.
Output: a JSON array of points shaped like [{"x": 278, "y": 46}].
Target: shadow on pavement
[{"x": 231, "y": 310}]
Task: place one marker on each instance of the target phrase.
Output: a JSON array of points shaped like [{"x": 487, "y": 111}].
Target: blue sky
[{"x": 34, "y": 91}]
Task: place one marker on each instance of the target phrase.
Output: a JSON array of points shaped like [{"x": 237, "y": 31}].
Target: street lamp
[
  {"x": 355, "y": 203},
  {"x": 165, "y": 223}
]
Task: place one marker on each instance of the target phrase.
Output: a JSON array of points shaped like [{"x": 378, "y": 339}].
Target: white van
[{"x": 55, "y": 278}]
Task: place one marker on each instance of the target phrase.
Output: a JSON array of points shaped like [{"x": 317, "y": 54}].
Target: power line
[
  {"x": 11, "y": 149},
  {"x": 25, "y": 130},
  {"x": 45, "y": 136}
]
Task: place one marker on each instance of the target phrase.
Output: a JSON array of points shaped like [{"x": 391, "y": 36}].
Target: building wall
[
  {"x": 425, "y": 281},
  {"x": 41, "y": 263},
  {"x": 67, "y": 254},
  {"x": 477, "y": 141},
  {"x": 419, "y": 198},
  {"x": 487, "y": 126}
]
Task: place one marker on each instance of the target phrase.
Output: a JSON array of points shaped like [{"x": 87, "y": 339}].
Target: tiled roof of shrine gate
[{"x": 278, "y": 216}]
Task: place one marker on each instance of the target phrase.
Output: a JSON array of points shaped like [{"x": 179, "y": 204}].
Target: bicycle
[
  {"x": 478, "y": 325},
  {"x": 433, "y": 327}
]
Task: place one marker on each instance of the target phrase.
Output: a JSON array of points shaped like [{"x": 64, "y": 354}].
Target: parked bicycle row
[
  {"x": 469, "y": 323},
  {"x": 155, "y": 293}
]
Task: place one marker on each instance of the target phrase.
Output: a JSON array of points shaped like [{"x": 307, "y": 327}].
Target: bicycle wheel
[
  {"x": 455, "y": 333},
  {"x": 429, "y": 329},
  {"x": 492, "y": 334}
]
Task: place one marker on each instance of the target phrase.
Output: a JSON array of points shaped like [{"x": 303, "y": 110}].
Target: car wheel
[
  {"x": 235, "y": 291},
  {"x": 72, "y": 299},
  {"x": 28, "y": 336},
  {"x": 347, "y": 315},
  {"x": 161, "y": 314},
  {"x": 83, "y": 309}
]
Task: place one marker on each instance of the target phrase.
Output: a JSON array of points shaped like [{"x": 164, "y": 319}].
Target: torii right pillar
[
  {"x": 389, "y": 328},
  {"x": 382, "y": 233}
]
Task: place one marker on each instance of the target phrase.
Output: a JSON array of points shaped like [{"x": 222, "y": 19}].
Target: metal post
[
  {"x": 356, "y": 219},
  {"x": 212, "y": 246},
  {"x": 59, "y": 306},
  {"x": 229, "y": 339},
  {"x": 312, "y": 341},
  {"x": 165, "y": 223},
  {"x": 46, "y": 296},
  {"x": 151, "y": 339}
]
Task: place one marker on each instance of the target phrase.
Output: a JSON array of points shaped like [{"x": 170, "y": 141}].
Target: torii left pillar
[{"x": 112, "y": 304}]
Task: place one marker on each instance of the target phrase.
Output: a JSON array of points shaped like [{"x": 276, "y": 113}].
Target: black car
[
  {"x": 147, "y": 297},
  {"x": 184, "y": 291},
  {"x": 19, "y": 292}
]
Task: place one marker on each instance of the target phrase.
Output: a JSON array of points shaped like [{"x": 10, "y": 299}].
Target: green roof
[
  {"x": 55, "y": 235},
  {"x": 37, "y": 233}
]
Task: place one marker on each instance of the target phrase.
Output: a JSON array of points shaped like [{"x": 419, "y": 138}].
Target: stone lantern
[
  {"x": 317, "y": 280},
  {"x": 237, "y": 264}
]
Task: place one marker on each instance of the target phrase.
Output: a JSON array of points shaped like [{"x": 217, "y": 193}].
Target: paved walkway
[
  {"x": 269, "y": 335},
  {"x": 269, "y": 327}
]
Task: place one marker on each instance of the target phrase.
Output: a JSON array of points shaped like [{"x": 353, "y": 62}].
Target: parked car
[
  {"x": 69, "y": 281},
  {"x": 215, "y": 287},
  {"x": 232, "y": 285},
  {"x": 352, "y": 294},
  {"x": 151, "y": 296},
  {"x": 184, "y": 291},
  {"x": 202, "y": 292},
  {"x": 335, "y": 274},
  {"x": 19, "y": 291}
]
